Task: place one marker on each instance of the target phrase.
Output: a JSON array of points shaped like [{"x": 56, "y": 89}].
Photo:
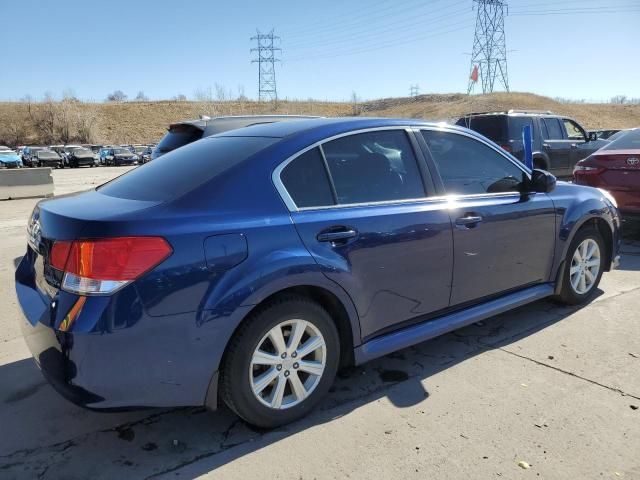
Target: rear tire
[
  {"x": 583, "y": 267},
  {"x": 268, "y": 382}
]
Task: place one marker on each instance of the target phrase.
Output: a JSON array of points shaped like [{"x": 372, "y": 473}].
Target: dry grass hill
[{"x": 141, "y": 122}]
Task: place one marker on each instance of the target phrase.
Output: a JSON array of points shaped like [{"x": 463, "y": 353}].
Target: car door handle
[
  {"x": 468, "y": 221},
  {"x": 546, "y": 145},
  {"x": 573, "y": 145},
  {"x": 337, "y": 235}
]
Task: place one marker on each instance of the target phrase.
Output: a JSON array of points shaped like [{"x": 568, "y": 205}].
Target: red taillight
[
  {"x": 103, "y": 265},
  {"x": 59, "y": 254},
  {"x": 507, "y": 148}
]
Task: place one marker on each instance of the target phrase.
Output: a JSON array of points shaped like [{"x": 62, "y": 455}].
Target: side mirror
[
  {"x": 542, "y": 181},
  {"x": 593, "y": 136}
]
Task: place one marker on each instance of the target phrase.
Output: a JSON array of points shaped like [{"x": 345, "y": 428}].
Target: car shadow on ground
[{"x": 153, "y": 443}]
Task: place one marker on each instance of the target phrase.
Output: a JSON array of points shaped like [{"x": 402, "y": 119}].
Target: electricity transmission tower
[
  {"x": 266, "y": 64},
  {"x": 414, "y": 90},
  {"x": 489, "y": 55}
]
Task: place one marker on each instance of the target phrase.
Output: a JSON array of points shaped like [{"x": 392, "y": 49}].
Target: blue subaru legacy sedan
[{"x": 249, "y": 266}]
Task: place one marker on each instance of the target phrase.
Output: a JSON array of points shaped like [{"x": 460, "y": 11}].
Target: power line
[
  {"x": 358, "y": 17},
  {"x": 383, "y": 45},
  {"x": 489, "y": 54},
  {"x": 366, "y": 36},
  {"x": 578, "y": 11},
  {"x": 266, "y": 65}
]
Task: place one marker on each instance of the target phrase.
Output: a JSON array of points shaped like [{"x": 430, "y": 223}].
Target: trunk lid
[{"x": 621, "y": 168}]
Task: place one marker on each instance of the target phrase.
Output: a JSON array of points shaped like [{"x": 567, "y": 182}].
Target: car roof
[{"x": 328, "y": 126}]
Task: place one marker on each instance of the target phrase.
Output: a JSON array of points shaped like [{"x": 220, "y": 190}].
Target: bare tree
[
  {"x": 619, "y": 99},
  {"x": 180, "y": 98},
  {"x": 141, "y": 97},
  {"x": 86, "y": 120},
  {"x": 117, "y": 96}
]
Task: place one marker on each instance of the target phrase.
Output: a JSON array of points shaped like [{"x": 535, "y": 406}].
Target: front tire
[
  {"x": 583, "y": 267},
  {"x": 281, "y": 362}
]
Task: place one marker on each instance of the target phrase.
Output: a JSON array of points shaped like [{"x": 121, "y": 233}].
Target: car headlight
[{"x": 609, "y": 197}]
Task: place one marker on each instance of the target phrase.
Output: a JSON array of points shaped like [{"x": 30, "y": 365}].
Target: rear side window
[
  {"x": 516, "y": 124},
  {"x": 494, "y": 127},
  {"x": 305, "y": 178},
  {"x": 373, "y": 167},
  {"x": 174, "y": 174},
  {"x": 178, "y": 136},
  {"x": 469, "y": 167},
  {"x": 552, "y": 129}
]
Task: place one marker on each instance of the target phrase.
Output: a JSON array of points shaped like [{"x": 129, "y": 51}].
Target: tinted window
[
  {"x": 573, "y": 130},
  {"x": 373, "y": 167},
  {"x": 305, "y": 178},
  {"x": 628, "y": 141},
  {"x": 516, "y": 124},
  {"x": 494, "y": 127},
  {"x": 176, "y": 173},
  {"x": 178, "y": 136},
  {"x": 552, "y": 128},
  {"x": 468, "y": 167}
]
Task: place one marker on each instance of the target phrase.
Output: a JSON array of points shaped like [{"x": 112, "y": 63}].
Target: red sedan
[{"x": 615, "y": 168}]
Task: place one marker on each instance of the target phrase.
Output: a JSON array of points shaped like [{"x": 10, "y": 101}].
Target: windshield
[
  {"x": 171, "y": 176},
  {"x": 178, "y": 136},
  {"x": 121, "y": 151},
  {"x": 47, "y": 154},
  {"x": 139, "y": 149},
  {"x": 629, "y": 141}
]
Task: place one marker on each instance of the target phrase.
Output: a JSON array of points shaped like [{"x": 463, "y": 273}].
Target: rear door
[
  {"x": 503, "y": 240},
  {"x": 362, "y": 208},
  {"x": 556, "y": 146}
]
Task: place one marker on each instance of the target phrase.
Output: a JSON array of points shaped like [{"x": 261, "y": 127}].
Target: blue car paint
[
  {"x": 10, "y": 160},
  {"x": 160, "y": 340}
]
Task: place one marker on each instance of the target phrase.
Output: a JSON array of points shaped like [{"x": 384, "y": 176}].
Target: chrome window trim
[
  {"x": 482, "y": 140},
  {"x": 277, "y": 181},
  {"x": 292, "y": 207}
]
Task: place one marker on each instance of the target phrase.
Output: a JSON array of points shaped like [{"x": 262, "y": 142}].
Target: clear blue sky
[{"x": 330, "y": 47}]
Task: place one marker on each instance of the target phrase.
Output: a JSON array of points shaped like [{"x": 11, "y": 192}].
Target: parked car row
[{"x": 86, "y": 155}]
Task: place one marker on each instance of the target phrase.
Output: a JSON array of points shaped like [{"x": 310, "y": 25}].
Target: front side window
[
  {"x": 552, "y": 129},
  {"x": 469, "y": 167},
  {"x": 574, "y": 132},
  {"x": 374, "y": 166}
]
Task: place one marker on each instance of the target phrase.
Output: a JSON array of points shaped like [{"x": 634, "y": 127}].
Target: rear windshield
[
  {"x": 178, "y": 136},
  {"x": 494, "y": 127},
  {"x": 629, "y": 141},
  {"x": 516, "y": 124},
  {"x": 171, "y": 176}
]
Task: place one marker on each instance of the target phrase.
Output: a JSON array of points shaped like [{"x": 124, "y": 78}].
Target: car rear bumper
[{"x": 141, "y": 361}]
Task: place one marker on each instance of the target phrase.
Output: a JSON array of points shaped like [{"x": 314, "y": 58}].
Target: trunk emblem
[
  {"x": 34, "y": 231},
  {"x": 633, "y": 161}
]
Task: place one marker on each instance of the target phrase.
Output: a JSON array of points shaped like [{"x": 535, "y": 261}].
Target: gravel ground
[{"x": 557, "y": 388}]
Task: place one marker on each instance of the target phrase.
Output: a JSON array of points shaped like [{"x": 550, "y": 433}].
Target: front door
[
  {"x": 361, "y": 209},
  {"x": 503, "y": 240},
  {"x": 556, "y": 146}
]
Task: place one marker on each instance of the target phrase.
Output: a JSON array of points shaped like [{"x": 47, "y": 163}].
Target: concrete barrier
[{"x": 25, "y": 183}]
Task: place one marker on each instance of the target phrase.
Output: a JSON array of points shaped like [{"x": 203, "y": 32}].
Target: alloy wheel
[
  {"x": 585, "y": 266},
  {"x": 288, "y": 364}
]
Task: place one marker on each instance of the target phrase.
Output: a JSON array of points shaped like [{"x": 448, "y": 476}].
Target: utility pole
[
  {"x": 414, "y": 90},
  {"x": 489, "y": 55},
  {"x": 266, "y": 65}
]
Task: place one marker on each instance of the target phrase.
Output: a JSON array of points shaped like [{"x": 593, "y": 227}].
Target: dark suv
[
  {"x": 188, "y": 131},
  {"x": 558, "y": 142}
]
